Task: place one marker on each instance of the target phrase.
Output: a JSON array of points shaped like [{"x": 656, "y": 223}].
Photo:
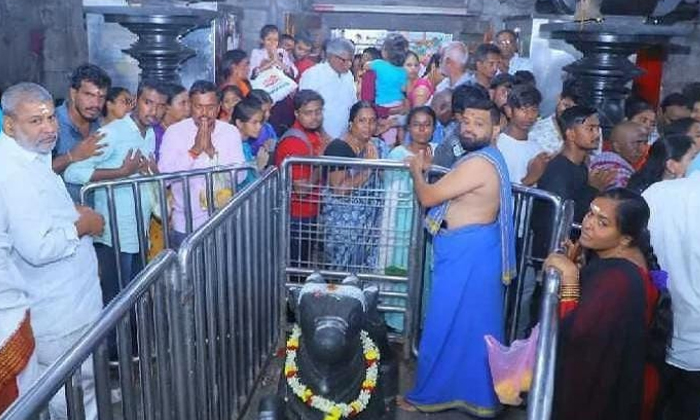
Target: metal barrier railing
[
  {"x": 542, "y": 393},
  {"x": 233, "y": 302},
  {"x": 368, "y": 226},
  {"x": 216, "y": 320},
  {"x": 148, "y": 195},
  {"x": 145, "y": 384},
  {"x": 388, "y": 229}
]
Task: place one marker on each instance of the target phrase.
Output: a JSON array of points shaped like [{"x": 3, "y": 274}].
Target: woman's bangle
[
  {"x": 70, "y": 157},
  {"x": 569, "y": 292}
]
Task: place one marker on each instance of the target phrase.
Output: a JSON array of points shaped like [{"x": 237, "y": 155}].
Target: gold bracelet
[{"x": 569, "y": 292}]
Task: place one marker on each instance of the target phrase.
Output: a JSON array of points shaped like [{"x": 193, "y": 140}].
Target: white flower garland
[{"x": 333, "y": 410}]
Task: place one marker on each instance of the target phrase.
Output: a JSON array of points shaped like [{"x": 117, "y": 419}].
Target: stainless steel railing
[
  {"x": 144, "y": 387},
  {"x": 542, "y": 393},
  {"x": 207, "y": 323},
  {"x": 234, "y": 296}
]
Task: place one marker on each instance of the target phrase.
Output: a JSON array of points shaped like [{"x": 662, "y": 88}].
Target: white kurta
[
  {"x": 675, "y": 231},
  {"x": 59, "y": 269},
  {"x": 14, "y": 302}
]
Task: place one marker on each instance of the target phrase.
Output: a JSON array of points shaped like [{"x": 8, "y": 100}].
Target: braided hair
[{"x": 632, "y": 217}]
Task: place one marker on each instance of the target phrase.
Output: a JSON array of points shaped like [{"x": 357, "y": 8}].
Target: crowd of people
[{"x": 629, "y": 345}]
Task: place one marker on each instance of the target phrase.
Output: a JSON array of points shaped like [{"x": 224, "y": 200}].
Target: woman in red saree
[{"x": 605, "y": 367}]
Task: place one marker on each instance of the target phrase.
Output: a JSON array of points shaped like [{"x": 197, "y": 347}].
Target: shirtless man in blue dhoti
[{"x": 471, "y": 217}]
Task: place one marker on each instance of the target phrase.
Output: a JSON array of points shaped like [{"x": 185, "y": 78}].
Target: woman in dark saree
[{"x": 612, "y": 332}]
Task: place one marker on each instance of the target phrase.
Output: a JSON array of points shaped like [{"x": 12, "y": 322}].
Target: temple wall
[
  {"x": 681, "y": 69},
  {"x": 41, "y": 41},
  {"x": 482, "y": 13}
]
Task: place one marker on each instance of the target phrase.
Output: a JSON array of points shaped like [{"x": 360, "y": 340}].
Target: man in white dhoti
[
  {"x": 18, "y": 365},
  {"x": 51, "y": 237}
]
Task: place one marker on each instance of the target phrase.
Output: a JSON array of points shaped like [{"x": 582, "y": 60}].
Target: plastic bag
[
  {"x": 223, "y": 193},
  {"x": 274, "y": 82},
  {"x": 512, "y": 367}
]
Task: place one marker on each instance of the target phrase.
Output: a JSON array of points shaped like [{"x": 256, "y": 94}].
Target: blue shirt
[
  {"x": 442, "y": 132},
  {"x": 120, "y": 137},
  {"x": 391, "y": 80},
  {"x": 58, "y": 267},
  {"x": 439, "y": 133},
  {"x": 0, "y": 119},
  {"x": 68, "y": 137},
  {"x": 249, "y": 159}
]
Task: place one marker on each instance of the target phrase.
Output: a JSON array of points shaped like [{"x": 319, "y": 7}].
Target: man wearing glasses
[
  {"x": 507, "y": 42},
  {"x": 304, "y": 138},
  {"x": 333, "y": 80}
]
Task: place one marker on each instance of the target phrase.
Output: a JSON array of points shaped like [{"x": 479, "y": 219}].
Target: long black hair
[
  {"x": 245, "y": 110},
  {"x": 672, "y": 147},
  {"x": 421, "y": 110},
  {"x": 174, "y": 89},
  {"x": 433, "y": 63},
  {"x": 635, "y": 106},
  {"x": 231, "y": 58},
  {"x": 357, "y": 107},
  {"x": 112, "y": 95},
  {"x": 632, "y": 217},
  {"x": 396, "y": 47}
]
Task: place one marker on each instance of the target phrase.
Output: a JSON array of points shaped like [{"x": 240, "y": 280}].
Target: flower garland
[{"x": 333, "y": 410}]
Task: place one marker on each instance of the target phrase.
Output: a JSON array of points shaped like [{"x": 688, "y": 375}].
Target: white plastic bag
[
  {"x": 274, "y": 82},
  {"x": 512, "y": 367}
]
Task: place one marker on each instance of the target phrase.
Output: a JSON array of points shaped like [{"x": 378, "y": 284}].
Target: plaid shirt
[{"x": 611, "y": 160}]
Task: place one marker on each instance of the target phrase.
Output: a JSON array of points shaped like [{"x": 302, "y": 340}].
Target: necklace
[
  {"x": 334, "y": 410},
  {"x": 355, "y": 144}
]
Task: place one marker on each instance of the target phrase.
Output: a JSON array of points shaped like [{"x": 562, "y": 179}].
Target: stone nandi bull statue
[{"x": 337, "y": 356}]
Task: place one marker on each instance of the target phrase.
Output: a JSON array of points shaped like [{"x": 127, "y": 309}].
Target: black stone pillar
[
  {"x": 158, "y": 49},
  {"x": 605, "y": 71}
]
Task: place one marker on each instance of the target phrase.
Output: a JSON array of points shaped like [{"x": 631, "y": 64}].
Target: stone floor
[
  {"x": 405, "y": 383},
  {"x": 270, "y": 382}
]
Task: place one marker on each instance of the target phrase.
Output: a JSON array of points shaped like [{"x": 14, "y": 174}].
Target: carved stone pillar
[
  {"x": 158, "y": 49},
  {"x": 605, "y": 70}
]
